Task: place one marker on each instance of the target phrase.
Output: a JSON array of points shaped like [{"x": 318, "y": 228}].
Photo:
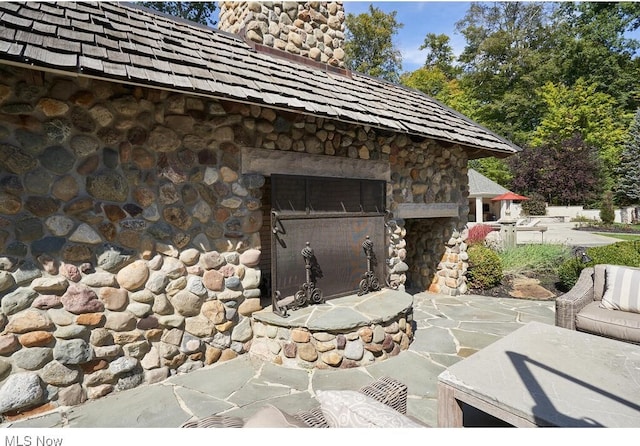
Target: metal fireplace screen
[{"x": 332, "y": 217}]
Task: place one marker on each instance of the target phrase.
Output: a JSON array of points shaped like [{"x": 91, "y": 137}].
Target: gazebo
[{"x": 505, "y": 203}]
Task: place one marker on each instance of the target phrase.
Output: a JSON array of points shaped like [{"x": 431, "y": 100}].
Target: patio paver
[{"x": 447, "y": 329}]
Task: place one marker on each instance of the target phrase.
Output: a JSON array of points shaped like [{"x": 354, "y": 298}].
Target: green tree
[
  {"x": 369, "y": 47},
  {"x": 495, "y": 169},
  {"x": 440, "y": 54},
  {"x": 504, "y": 60},
  {"x": 627, "y": 191},
  {"x": 199, "y": 12},
  {"x": 591, "y": 43},
  {"x": 582, "y": 110},
  {"x": 433, "y": 82}
]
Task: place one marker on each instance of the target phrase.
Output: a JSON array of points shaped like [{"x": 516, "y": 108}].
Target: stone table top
[
  {"x": 344, "y": 312},
  {"x": 552, "y": 376}
]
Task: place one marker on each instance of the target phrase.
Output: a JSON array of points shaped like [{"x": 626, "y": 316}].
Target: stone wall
[
  {"x": 429, "y": 254},
  {"x": 129, "y": 237},
  {"x": 309, "y": 29}
]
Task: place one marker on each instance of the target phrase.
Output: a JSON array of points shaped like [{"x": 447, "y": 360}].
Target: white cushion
[
  {"x": 621, "y": 289},
  {"x": 348, "y": 408},
  {"x": 271, "y": 416}
]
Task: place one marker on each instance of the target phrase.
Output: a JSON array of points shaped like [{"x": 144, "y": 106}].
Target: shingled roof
[{"x": 124, "y": 43}]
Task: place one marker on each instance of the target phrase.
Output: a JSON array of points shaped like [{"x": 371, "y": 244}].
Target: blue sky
[{"x": 419, "y": 19}]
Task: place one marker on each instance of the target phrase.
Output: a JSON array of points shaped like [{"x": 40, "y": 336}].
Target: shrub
[
  {"x": 620, "y": 253},
  {"x": 607, "y": 212},
  {"x": 485, "y": 267},
  {"x": 535, "y": 205},
  {"x": 478, "y": 233}
]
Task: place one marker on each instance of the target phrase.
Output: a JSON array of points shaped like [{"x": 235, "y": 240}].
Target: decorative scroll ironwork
[
  {"x": 369, "y": 280},
  {"x": 308, "y": 292}
]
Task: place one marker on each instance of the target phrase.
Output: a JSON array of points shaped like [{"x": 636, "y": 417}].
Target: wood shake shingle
[{"x": 124, "y": 43}]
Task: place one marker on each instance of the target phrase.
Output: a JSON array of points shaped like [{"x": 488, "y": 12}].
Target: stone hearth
[{"x": 346, "y": 332}]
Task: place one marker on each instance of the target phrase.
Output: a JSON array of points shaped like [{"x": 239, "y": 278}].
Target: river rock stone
[
  {"x": 50, "y": 284},
  {"x": 80, "y": 299},
  {"x": 21, "y": 390},
  {"x": 6, "y": 280},
  {"x": 213, "y": 280},
  {"x": 57, "y": 159},
  {"x": 71, "y": 395},
  {"x": 114, "y": 299},
  {"x": 18, "y": 300},
  {"x": 58, "y": 374},
  {"x": 123, "y": 365},
  {"x": 99, "y": 280},
  {"x": 71, "y": 331},
  {"x": 26, "y": 273},
  {"x": 108, "y": 186},
  {"x": 139, "y": 309},
  {"x": 196, "y": 286},
  {"x": 8, "y": 344},
  {"x": 36, "y": 338},
  {"x": 73, "y": 351},
  {"x": 32, "y": 358},
  {"x": 65, "y": 189},
  {"x": 199, "y": 326},
  {"x": 212, "y": 260},
  {"x": 85, "y": 234},
  {"x": 173, "y": 268},
  {"x": 132, "y": 277},
  {"x": 59, "y": 225},
  {"x": 186, "y": 303},
  {"x": 120, "y": 321},
  {"x": 111, "y": 258},
  {"x": 29, "y": 320}
]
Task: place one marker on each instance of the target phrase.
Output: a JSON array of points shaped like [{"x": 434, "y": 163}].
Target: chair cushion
[
  {"x": 348, "y": 408},
  {"x": 622, "y": 289},
  {"x": 622, "y": 325},
  {"x": 271, "y": 416}
]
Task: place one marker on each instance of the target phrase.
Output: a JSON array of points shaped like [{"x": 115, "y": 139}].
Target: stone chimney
[{"x": 307, "y": 29}]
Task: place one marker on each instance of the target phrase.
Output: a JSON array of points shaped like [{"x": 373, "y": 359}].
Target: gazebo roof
[
  {"x": 481, "y": 186},
  {"x": 127, "y": 44}
]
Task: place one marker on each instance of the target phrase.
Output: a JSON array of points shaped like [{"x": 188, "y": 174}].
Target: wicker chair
[
  {"x": 580, "y": 309},
  {"x": 385, "y": 390}
]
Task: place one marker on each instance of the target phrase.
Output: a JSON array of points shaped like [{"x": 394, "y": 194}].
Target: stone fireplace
[{"x": 154, "y": 203}]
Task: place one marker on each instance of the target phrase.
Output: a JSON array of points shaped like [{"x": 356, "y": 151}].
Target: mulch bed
[{"x": 608, "y": 229}]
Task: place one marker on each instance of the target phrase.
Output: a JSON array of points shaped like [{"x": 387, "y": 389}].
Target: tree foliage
[
  {"x": 503, "y": 62},
  {"x": 199, "y": 12},
  {"x": 564, "y": 173},
  {"x": 627, "y": 190},
  {"x": 541, "y": 74},
  {"x": 440, "y": 54},
  {"x": 369, "y": 47},
  {"x": 582, "y": 110},
  {"x": 433, "y": 82}
]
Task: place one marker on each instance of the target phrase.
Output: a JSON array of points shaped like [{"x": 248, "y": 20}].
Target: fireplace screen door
[{"x": 333, "y": 215}]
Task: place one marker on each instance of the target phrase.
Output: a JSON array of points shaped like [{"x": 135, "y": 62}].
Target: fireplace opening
[{"x": 340, "y": 222}]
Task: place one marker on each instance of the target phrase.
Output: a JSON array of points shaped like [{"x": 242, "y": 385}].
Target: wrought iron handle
[{"x": 276, "y": 226}]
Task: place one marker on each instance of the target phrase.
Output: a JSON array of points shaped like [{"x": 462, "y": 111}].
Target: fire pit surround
[{"x": 160, "y": 181}]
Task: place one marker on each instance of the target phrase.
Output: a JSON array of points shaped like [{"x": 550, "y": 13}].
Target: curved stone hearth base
[{"x": 346, "y": 332}]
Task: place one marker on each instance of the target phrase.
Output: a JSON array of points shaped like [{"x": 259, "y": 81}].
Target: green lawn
[{"x": 631, "y": 237}]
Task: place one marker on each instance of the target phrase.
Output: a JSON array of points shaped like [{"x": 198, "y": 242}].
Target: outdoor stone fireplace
[{"x": 157, "y": 220}]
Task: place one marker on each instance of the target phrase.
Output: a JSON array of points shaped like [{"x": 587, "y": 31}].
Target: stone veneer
[
  {"x": 129, "y": 237},
  {"x": 309, "y": 29}
]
